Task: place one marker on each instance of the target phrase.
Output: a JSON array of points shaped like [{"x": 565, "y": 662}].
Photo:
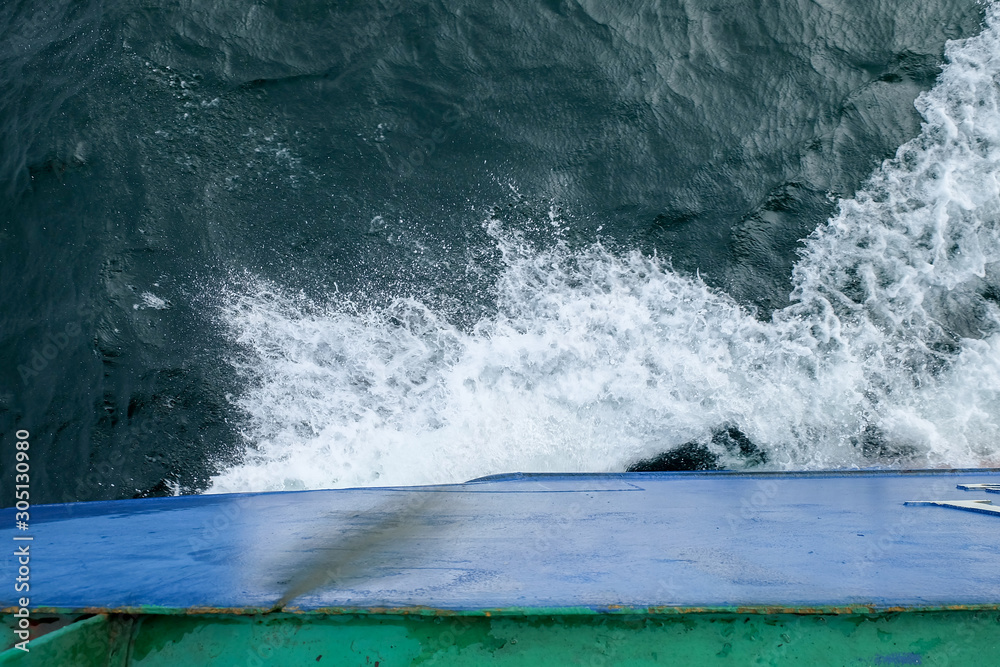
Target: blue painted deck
[{"x": 598, "y": 541}]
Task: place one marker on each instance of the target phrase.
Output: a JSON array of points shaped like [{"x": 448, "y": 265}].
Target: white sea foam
[
  {"x": 889, "y": 354},
  {"x": 150, "y": 300}
]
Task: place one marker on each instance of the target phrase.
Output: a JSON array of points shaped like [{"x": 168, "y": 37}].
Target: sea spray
[{"x": 888, "y": 355}]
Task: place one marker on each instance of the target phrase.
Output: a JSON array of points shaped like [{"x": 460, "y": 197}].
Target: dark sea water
[{"x": 278, "y": 245}]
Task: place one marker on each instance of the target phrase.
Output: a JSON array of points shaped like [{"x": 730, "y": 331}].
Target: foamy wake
[{"x": 889, "y": 354}]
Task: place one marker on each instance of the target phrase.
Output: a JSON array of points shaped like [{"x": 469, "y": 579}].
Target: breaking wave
[{"x": 888, "y": 355}]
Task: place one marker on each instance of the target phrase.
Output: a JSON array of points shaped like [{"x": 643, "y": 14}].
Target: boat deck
[{"x": 511, "y": 544}]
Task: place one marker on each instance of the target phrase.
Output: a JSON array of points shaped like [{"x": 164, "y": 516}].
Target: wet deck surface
[{"x": 690, "y": 540}]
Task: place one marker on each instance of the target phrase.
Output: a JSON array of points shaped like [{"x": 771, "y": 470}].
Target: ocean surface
[{"x": 254, "y": 245}]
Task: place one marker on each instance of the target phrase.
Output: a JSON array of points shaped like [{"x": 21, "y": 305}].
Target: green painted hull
[
  {"x": 657, "y": 569},
  {"x": 927, "y": 638}
]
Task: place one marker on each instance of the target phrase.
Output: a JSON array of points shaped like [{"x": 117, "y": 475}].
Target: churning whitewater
[{"x": 888, "y": 355}]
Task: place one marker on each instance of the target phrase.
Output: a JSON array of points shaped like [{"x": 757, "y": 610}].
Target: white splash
[
  {"x": 890, "y": 352},
  {"x": 150, "y": 300}
]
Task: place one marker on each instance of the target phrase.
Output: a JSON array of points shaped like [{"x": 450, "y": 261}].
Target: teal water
[{"x": 262, "y": 246}]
